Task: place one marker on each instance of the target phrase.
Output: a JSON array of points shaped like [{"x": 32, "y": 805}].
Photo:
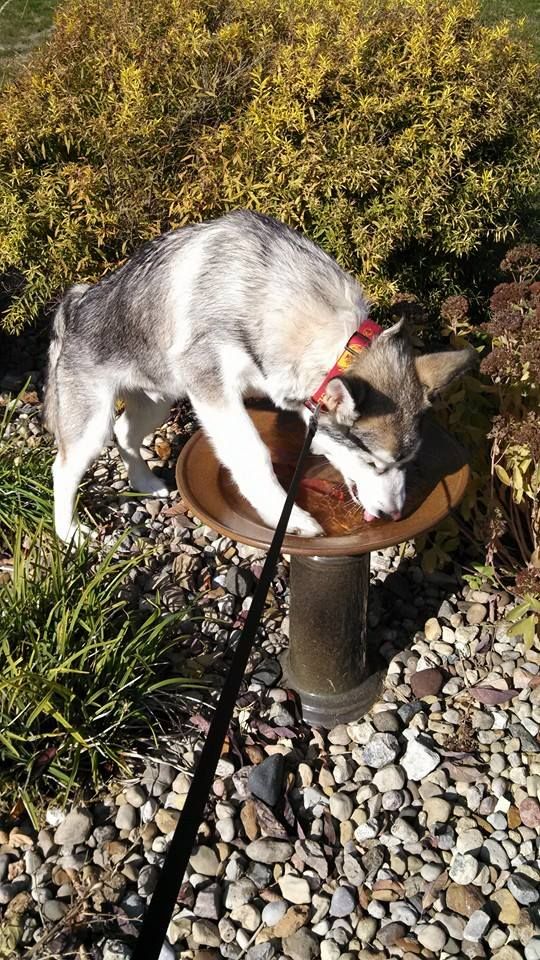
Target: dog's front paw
[
  {"x": 146, "y": 482},
  {"x": 303, "y": 524}
]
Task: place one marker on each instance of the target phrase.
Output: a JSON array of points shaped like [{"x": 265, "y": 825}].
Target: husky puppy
[{"x": 235, "y": 307}]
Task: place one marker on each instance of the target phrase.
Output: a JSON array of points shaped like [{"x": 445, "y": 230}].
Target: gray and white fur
[{"x": 218, "y": 311}]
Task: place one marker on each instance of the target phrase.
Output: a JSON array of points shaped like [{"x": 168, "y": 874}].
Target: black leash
[{"x": 159, "y": 912}]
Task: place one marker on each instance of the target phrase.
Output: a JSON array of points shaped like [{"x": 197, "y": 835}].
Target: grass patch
[
  {"x": 494, "y": 10},
  {"x": 23, "y": 25},
  {"x": 85, "y": 672},
  {"x": 25, "y": 497}
]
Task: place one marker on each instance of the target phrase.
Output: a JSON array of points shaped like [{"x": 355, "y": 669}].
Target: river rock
[
  {"x": 390, "y": 778},
  {"x": 381, "y": 750},
  {"x": 116, "y": 950},
  {"x": 205, "y": 933},
  {"x": 529, "y": 811},
  {"x": 431, "y": 936},
  {"x": 273, "y": 912},
  {"x": 302, "y": 945},
  {"x": 464, "y": 899},
  {"x": 419, "y": 760},
  {"x": 426, "y": 683},
  {"x": 126, "y": 818},
  {"x": 266, "y": 779},
  {"x": 343, "y": 902},
  {"x": 75, "y": 829},
  {"x": 463, "y": 868},
  {"x": 476, "y": 926},
  {"x": 294, "y": 889},
  {"x": 432, "y": 630},
  {"x": 522, "y": 889},
  {"x": 341, "y": 806},
  {"x": 205, "y": 861},
  {"x": 268, "y": 850},
  {"x": 509, "y": 909}
]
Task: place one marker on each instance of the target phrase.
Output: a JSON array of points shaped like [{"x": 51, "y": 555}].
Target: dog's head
[{"x": 375, "y": 413}]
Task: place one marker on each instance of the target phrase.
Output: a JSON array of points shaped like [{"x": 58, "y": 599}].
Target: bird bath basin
[{"x": 327, "y": 662}]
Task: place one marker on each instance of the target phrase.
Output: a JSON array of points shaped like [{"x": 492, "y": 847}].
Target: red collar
[{"x": 360, "y": 339}]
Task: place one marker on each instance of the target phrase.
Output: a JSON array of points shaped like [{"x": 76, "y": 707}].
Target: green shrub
[
  {"x": 84, "y": 673},
  {"x": 402, "y": 135}
]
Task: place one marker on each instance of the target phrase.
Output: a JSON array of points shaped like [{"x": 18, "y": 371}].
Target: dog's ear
[
  {"x": 436, "y": 370},
  {"x": 398, "y": 329},
  {"x": 344, "y": 396}
]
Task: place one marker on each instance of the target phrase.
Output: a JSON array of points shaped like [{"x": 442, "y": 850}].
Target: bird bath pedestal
[{"x": 327, "y": 662}]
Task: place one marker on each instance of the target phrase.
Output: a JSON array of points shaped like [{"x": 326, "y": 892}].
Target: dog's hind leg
[
  {"x": 141, "y": 416},
  {"x": 83, "y": 427}
]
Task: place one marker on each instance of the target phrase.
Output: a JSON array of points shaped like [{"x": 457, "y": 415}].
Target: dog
[{"x": 219, "y": 311}]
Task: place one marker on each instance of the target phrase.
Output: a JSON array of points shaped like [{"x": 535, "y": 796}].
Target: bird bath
[{"x": 327, "y": 661}]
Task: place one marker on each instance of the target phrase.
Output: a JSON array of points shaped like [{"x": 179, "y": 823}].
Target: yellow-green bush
[{"x": 400, "y": 134}]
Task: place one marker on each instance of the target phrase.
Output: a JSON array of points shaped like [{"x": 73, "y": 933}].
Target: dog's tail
[{"x": 62, "y": 318}]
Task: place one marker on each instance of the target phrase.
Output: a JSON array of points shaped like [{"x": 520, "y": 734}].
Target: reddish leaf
[
  {"x": 460, "y": 773},
  {"x": 268, "y": 822},
  {"x": 288, "y": 813},
  {"x": 492, "y": 696},
  {"x": 327, "y": 488},
  {"x": 125, "y": 924},
  {"x": 236, "y": 746},
  {"x": 464, "y": 757},
  {"x": 483, "y": 644},
  {"x": 433, "y": 889},
  {"x": 329, "y": 830},
  {"x": 246, "y": 699},
  {"x": 200, "y": 722},
  {"x": 285, "y": 732},
  {"x": 42, "y": 761},
  {"x": 266, "y": 730}
]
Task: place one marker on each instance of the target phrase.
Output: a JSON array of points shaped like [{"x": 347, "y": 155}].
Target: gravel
[{"x": 413, "y": 831}]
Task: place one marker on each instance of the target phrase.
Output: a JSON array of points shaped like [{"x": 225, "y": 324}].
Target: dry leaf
[
  {"x": 492, "y": 696},
  {"x": 461, "y": 774},
  {"x": 18, "y": 809},
  {"x": 433, "y": 889},
  {"x": 176, "y": 510},
  {"x": 268, "y": 822},
  {"x": 162, "y": 448},
  {"x": 200, "y": 722}
]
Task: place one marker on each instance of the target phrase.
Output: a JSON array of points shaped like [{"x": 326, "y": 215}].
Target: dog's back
[
  {"x": 216, "y": 311},
  {"x": 162, "y": 319}
]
